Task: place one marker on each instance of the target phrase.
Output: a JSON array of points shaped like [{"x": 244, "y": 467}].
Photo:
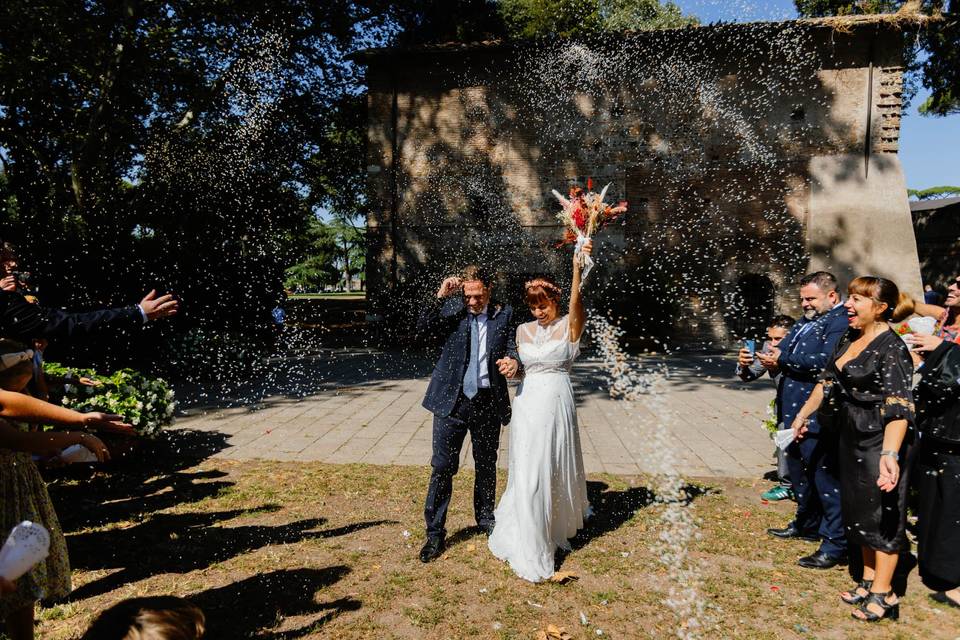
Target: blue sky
[{"x": 929, "y": 147}]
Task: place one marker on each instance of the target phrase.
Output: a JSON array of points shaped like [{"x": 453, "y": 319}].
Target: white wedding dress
[{"x": 545, "y": 502}]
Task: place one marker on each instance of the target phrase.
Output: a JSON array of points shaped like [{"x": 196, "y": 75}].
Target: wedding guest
[
  {"x": 150, "y": 618},
  {"x": 749, "y": 368},
  {"x": 26, "y": 498},
  {"x": 24, "y": 321},
  {"x": 867, "y": 381},
  {"x": 936, "y": 472},
  {"x": 800, "y": 359},
  {"x": 948, "y": 315}
]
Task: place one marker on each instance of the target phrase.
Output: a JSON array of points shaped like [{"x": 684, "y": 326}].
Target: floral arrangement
[
  {"x": 770, "y": 423},
  {"x": 583, "y": 214},
  {"x": 146, "y": 403}
]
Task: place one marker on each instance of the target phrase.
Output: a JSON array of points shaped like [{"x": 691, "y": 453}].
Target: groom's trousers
[{"x": 480, "y": 417}]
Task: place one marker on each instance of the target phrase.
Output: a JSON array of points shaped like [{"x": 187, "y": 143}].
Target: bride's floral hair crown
[{"x": 539, "y": 290}]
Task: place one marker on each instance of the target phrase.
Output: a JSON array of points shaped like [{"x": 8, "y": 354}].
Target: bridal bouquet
[{"x": 583, "y": 214}]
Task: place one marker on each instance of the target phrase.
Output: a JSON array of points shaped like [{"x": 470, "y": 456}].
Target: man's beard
[{"x": 810, "y": 314}]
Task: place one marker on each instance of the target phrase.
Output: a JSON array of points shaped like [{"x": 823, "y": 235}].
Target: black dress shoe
[
  {"x": 790, "y": 532},
  {"x": 432, "y": 549},
  {"x": 487, "y": 528},
  {"x": 821, "y": 560},
  {"x": 943, "y": 598}
]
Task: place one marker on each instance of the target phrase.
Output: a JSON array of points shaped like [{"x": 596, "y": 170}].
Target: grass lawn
[{"x": 290, "y": 550}]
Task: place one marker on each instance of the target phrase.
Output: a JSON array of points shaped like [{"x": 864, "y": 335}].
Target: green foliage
[
  {"x": 934, "y": 193},
  {"x": 146, "y": 403},
  {"x": 538, "y": 18},
  {"x": 932, "y": 54},
  {"x": 333, "y": 249},
  {"x": 177, "y": 145}
]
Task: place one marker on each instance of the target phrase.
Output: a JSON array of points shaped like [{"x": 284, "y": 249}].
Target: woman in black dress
[
  {"x": 867, "y": 382},
  {"x": 936, "y": 473}
]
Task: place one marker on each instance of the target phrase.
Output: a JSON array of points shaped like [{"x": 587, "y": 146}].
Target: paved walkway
[{"x": 344, "y": 406}]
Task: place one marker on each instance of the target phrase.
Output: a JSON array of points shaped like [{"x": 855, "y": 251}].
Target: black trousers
[
  {"x": 480, "y": 417},
  {"x": 935, "y": 477},
  {"x": 813, "y": 463}
]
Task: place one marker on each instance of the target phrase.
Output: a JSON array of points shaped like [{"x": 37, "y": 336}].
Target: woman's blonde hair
[
  {"x": 152, "y": 618},
  {"x": 881, "y": 290}
]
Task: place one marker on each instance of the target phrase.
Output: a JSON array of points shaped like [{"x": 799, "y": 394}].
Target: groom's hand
[
  {"x": 449, "y": 287},
  {"x": 508, "y": 367}
]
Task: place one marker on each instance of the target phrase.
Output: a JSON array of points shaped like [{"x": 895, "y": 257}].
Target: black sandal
[
  {"x": 891, "y": 611},
  {"x": 943, "y": 598},
  {"x": 856, "y": 598}
]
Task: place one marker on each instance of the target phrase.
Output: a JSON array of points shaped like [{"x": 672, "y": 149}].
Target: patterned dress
[{"x": 23, "y": 496}]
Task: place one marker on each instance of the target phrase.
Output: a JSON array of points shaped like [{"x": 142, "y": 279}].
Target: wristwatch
[{"x": 892, "y": 454}]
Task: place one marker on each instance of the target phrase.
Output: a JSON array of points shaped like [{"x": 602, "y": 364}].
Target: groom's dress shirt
[{"x": 483, "y": 378}]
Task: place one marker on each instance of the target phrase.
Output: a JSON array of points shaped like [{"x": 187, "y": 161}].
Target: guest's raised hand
[
  {"x": 924, "y": 343},
  {"x": 95, "y": 445},
  {"x": 9, "y": 283},
  {"x": 449, "y": 287},
  {"x": 587, "y": 247},
  {"x": 770, "y": 358},
  {"x": 107, "y": 422},
  {"x": 155, "y": 308},
  {"x": 889, "y": 473},
  {"x": 745, "y": 358},
  {"x": 508, "y": 367}
]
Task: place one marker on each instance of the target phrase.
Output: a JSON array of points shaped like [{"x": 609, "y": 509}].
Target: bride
[{"x": 545, "y": 502}]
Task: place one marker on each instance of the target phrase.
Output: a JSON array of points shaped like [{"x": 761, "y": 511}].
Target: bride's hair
[{"x": 541, "y": 289}]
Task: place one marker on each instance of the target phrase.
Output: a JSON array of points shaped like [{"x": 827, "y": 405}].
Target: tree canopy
[{"x": 932, "y": 53}]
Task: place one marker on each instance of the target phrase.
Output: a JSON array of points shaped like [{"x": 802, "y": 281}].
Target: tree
[
  {"x": 934, "y": 193},
  {"x": 932, "y": 54},
  {"x": 538, "y": 18}
]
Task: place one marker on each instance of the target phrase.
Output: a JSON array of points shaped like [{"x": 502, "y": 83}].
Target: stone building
[{"x": 749, "y": 155}]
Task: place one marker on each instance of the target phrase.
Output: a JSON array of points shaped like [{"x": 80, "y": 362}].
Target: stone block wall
[{"x": 749, "y": 155}]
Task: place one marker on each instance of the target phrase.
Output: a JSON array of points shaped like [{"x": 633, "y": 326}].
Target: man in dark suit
[
  {"x": 467, "y": 392},
  {"x": 800, "y": 358},
  {"x": 26, "y": 321}
]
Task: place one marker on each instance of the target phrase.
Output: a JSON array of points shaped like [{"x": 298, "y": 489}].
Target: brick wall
[{"x": 716, "y": 137}]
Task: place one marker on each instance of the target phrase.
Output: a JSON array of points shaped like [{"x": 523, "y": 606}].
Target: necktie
[{"x": 471, "y": 378}]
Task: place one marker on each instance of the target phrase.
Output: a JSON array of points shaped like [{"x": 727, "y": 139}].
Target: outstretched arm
[
  {"x": 19, "y": 406},
  {"x": 578, "y": 316}
]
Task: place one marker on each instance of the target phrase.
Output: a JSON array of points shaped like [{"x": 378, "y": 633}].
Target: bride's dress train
[{"x": 545, "y": 502}]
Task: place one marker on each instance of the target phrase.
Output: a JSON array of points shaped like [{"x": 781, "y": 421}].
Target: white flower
[
  {"x": 169, "y": 394},
  {"x": 139, "y": 405},
  {"x": 135, "y": 422},
  {"x": 65, "y": 401}
]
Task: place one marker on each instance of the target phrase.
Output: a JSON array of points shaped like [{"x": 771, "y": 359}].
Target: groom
[{"x": 467, "y": 392}]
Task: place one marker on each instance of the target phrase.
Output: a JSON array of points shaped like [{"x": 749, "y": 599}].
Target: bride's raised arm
[{"x": 578, "y": 316}]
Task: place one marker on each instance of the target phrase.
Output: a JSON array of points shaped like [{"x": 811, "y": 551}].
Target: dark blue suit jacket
[
  {"x": 803, "y": 355},
  {"x": 24, "y": 321},
  {"x": 448, "y": 318}
]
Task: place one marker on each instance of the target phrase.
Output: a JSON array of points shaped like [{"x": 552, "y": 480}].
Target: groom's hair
[{"x": 474, "y": 272}]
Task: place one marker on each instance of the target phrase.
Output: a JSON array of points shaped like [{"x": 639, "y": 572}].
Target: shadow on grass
[
  {"x": 613, "y": 509},
  {"x": 181, "y": 543},
  {"x": 151, "y": 479},
  {"x": 244, "y": 609},
  {"x": 248, "y": 607}
]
